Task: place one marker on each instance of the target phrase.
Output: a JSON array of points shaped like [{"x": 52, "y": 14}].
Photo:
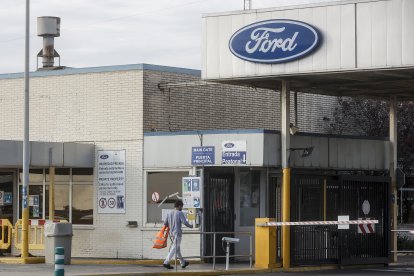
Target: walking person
[{"x": 174, "y": 220}]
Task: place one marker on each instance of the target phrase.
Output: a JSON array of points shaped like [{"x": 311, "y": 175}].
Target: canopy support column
[
  {"x": 285, "y": 137},
  {"x": 393, "y": 174}
]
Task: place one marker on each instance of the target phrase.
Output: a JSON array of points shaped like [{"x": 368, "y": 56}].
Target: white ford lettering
[{"x": 260, "y": 40}]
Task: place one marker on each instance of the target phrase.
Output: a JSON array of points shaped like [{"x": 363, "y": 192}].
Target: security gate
[
  {"x": 219, "y": 209},
  {"x": 318, "y": 198}
]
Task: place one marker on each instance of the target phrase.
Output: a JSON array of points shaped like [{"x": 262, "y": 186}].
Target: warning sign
[{"x": 155, "y": 196}]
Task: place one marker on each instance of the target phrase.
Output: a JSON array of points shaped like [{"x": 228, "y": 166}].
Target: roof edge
[{"x": 102, "y": 69}]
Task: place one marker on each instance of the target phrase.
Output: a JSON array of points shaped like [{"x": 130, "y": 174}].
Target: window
[
  {"x": 73, "y": 194},
  {"x": 35, "y": 195},
  {"x": 165, "y": 184},
  {"x": 249, "y": 197},
  {"x": 62, "y": 184},
  {"x": 82, "y": 196}
]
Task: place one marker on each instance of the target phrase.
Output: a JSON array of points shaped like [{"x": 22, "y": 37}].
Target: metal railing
[
  {"x": 403, "y": 231},
  {"x": 214, "y": 247}
]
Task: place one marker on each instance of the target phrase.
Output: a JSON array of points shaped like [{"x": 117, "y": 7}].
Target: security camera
[{"x": 230, "y": 240}]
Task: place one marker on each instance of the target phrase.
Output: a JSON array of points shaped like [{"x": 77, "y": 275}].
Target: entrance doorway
[
  {"x": 219, "y": 208},
  {"x": 250, "y": 203},
  {"x": 320, "y": 198}
]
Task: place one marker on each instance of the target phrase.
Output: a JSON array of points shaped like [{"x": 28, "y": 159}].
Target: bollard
[{"x": 59, "y": 261}]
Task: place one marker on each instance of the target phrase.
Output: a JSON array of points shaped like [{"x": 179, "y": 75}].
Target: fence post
[
  {"x": 59, "y": 261},
  {"x": 214, "y": 251}
]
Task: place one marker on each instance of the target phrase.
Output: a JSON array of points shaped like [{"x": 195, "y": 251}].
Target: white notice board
[
  {"x": 192, "y": 188},
  {"x": 111, "y": 181}
]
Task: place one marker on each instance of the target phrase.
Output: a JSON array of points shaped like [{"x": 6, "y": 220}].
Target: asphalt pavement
[{"x": 405, "y": 267}]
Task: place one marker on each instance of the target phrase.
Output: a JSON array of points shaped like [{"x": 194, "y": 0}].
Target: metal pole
[
  {"x": 227, "y": 255},
  {"x": 393, "y": 172},
  {"x": 401, "y": 206},
  {"x": 214, "y": 251},
  {"x": 285, "y": 136},
  {"x": 26, "y": 145},
  {"x": 51, "y": 193},
  {"x": 251, "y": 251}
]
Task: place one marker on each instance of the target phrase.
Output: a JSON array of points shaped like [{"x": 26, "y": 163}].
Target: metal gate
[
  {"x": 318, "y": 198},
  {"x": 359, "y": 248},
  {"x": 219, "y": 208}
]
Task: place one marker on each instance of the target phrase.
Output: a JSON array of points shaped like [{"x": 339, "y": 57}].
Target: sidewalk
[
  {"x": 92, "y": 267},
  {"x": 105, "y": 269}
]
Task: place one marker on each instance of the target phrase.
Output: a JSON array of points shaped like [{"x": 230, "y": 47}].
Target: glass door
[{"x": 250, "y": 203}]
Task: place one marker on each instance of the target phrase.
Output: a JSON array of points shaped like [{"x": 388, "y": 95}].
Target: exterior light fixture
[{"x": 293, "y": 129}]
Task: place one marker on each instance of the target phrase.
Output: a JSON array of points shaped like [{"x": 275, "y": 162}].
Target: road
[{"x": 391, "y": 270}]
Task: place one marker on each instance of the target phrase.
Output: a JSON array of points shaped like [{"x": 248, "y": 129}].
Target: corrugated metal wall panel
[
  {"x": 374, "y": 34},
  {"x": 407, "y": 32},
  {"x": 394, "y": 32}
]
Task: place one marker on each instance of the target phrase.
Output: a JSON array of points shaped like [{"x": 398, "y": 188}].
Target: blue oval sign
[
  {"x": 104, "y": 156},
  {"x": 229, "y": 145},
  {"x": 274, "y": 41}
]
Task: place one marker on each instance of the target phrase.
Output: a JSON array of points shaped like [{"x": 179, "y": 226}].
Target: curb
[
  {"x": 18, "y": 260},
  {"x": 123, "y": 262},
  {"x": 185, "y": 273}
]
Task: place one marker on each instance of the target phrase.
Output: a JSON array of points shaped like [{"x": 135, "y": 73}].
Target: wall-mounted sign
[
  {"x": 274, "y": 41},
  {"x": 33, "y": 200},
  {"x": 233, "y": 152},
  {"x": 202, "y": 156},
  {"x": 192, "y": 187},
  {"x": 111, "y": 182},
  {"x": 8, "y": 198}
]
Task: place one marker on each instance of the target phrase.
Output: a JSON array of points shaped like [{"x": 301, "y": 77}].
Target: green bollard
[{"x": 59, "y": 261}]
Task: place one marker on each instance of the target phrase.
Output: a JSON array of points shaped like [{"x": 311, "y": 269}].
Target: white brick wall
[{"x": 105, "y": 109}]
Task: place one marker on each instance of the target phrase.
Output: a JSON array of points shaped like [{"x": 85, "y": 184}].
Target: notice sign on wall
[
  {"x": 111, "y": 182},
  {"x": 192, "y": 188}
]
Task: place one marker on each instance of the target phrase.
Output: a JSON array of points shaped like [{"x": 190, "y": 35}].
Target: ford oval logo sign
[
  {"x": 229, "y": 145},
  {"x": 104, "y": 156},
  {"x": 274, "y": 41}
]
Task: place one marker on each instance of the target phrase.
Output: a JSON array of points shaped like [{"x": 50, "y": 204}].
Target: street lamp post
[{"x": 26, "y": 145}]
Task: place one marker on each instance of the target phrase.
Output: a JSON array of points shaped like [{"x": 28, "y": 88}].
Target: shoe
[
  {"x": 167, "y": 266},
  {"x": 185, "y": 264}
]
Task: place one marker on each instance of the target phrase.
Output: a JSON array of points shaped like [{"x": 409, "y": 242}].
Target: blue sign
[
  {"x": 233, "y": 158},
  {"x": 274, "y": 41},
  {"x": 202, "y": 156},
  {"x": 8, "y": 198}
]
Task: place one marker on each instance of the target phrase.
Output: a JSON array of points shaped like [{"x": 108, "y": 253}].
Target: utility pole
[
  {"x": 247, "y": 4},
  {"x": 26, "y": 144}
]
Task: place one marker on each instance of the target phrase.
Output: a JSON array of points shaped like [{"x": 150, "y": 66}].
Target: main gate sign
[{"x": 274, "y": 41}]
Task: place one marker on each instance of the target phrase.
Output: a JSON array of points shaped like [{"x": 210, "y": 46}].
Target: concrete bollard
[{"x": 59, "y": 261}]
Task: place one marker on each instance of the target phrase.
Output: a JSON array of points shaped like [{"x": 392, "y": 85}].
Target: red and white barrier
[
  {"x": 335, "y": 222},
  {"x": 41, "y": 222},
  {"x": 366, "y": 228}
]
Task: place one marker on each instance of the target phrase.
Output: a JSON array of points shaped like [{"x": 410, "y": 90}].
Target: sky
[{"x": 115, "y": 32}]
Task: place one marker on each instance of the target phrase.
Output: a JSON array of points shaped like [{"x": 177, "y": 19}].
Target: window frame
[
  {"x": 145, "y": 223},
  {"x": 70, "y": 184}
]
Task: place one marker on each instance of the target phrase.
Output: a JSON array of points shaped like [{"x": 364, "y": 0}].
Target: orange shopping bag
[{"x": 161, "y": 238}]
